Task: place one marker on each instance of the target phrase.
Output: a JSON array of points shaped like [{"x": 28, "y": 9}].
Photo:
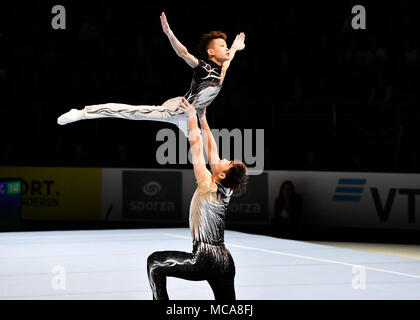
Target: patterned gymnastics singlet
[
  {"x": 206, "y": 83},
  {"x": 210, "y": 260}
]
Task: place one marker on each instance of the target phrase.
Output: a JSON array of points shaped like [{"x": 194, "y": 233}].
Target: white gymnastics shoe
[{"x": 71, "y": 116}]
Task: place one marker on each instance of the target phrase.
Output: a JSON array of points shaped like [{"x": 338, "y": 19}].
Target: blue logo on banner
[{"x": 349, "y": 189}]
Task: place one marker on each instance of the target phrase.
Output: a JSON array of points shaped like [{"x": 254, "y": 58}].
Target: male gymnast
[
  {"x": 207, "y": 81},
  {"x": 210, "y": 260}
]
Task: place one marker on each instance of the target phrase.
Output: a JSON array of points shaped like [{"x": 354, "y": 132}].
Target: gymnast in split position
[
  {"x": 210, "y": 260},
  {"x": 206, "y": 84}
]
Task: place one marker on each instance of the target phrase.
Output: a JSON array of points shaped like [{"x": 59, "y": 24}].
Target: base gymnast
[
  {"x": 205, "y": 86},
  {"x": 210, "y": 260}
]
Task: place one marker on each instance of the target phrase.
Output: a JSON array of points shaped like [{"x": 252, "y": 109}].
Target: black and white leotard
[
  {"x": 206, "y": 83},
  {"x": 210, "y": 260}
]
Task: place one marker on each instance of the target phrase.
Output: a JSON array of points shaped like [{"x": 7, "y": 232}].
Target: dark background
[{"x": 329, "y": 97}]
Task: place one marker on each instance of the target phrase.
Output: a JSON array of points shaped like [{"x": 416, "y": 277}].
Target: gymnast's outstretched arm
[
  {"x": 237, "y": 45},
  {"x": 179, "y": 48}
]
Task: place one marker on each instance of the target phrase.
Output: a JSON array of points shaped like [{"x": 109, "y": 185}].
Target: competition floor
[{"x": 111, "y": 264}]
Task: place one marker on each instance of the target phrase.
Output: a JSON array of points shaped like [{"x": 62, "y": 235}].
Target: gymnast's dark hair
[
  {"x": 236, "y": 177},
  {"x": 206, "y": 39}
]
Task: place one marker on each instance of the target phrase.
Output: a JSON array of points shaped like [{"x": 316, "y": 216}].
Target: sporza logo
[
  {"x": 349, "y": 189},
  {"x": 151, "y": 188}
]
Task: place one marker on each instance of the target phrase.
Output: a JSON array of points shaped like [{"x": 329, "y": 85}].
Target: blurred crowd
[{"x": 329, "y": 97}]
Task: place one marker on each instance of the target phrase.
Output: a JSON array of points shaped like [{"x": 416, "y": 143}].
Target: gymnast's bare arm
[
  {"x": 210, "y": 145},
  {"x": 179, "y": 48},
  {"x": 237, "y": 45},
  {"x": 196, "y": 141}
]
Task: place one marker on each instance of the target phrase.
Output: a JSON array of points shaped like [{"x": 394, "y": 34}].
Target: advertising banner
[
  {"x": 152, "y": 195},
  {"x": 58, "y": 193},
  {"x": 360, "y": 200},
  {"x": 10, "y": 204}
]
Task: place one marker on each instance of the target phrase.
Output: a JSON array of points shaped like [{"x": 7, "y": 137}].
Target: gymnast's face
[
  {"x": 222, "y": 167},
  {"x": 219, "y": 50}
]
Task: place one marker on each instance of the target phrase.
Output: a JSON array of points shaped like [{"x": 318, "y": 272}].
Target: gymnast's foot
[{"x": 71, "y": 116}]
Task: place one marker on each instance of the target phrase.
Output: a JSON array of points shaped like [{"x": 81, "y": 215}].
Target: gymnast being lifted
[{"x": 206, "y": 83}]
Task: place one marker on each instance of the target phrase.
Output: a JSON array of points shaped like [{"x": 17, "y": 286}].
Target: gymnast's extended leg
[{"x": 167, "y": 112}]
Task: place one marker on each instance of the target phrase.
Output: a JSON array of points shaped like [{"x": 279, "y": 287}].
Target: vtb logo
[
  {"x": 349, "y": 189},
  {"x": 352, "y": 189}
]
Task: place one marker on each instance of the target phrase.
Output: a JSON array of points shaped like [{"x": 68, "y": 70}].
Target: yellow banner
[{"x": 58, "y": 193}]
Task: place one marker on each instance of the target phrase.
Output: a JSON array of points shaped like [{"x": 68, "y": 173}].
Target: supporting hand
[{"x": 188, "y": 108}]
